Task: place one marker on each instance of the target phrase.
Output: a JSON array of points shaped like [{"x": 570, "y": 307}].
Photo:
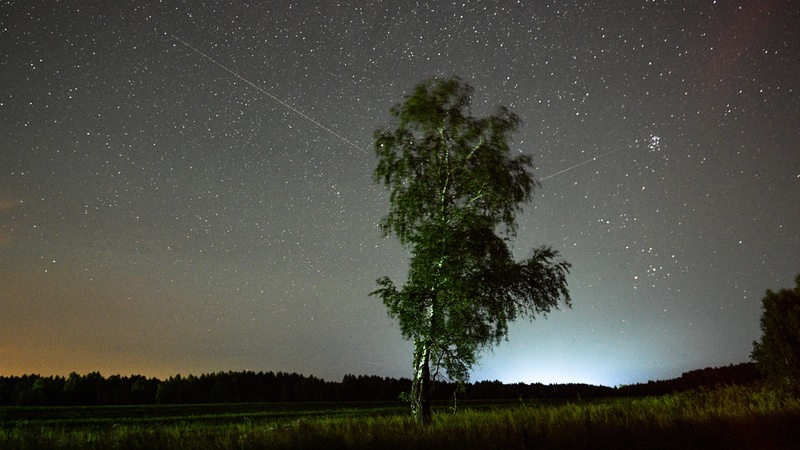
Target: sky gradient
[{"x": 187, "y": 189}]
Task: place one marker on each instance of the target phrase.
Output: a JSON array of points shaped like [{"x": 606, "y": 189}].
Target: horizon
[{"x": 331, "y": 380}]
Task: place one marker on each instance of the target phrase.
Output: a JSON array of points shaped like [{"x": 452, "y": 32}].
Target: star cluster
[{"x": 186, "y": 187}]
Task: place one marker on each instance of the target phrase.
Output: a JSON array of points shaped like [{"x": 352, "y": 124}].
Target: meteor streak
[
  {"x": 580, "y": 164},
  {"x": 264, "y": 91},
  {"x": 653, "y": 143}
]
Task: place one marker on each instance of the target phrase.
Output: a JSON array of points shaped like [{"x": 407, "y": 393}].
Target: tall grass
[{"x": 730, "y": 417}]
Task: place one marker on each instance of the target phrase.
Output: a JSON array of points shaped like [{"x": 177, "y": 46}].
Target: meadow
[{"x": 730, "y": 417}]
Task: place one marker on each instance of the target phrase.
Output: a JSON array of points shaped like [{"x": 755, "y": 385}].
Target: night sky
[{"x": 186, "y": 188}]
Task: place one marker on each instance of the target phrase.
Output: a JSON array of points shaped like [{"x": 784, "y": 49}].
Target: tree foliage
[
  {"x": 778, "y": 352},
  {"x": 455, "y": 190}
]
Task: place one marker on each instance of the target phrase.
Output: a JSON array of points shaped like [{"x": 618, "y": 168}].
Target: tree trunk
[{"x": 421, "y": 385}]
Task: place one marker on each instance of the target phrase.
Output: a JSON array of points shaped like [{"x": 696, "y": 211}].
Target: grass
[{"x": 730, "y": 417}]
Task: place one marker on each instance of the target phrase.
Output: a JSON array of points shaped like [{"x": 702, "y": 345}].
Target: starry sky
[{"x": 185, "y": 187}]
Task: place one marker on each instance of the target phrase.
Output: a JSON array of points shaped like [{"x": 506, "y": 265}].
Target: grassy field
[{"x": 729, "y": 417}]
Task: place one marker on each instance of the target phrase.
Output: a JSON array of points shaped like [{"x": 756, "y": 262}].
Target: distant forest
[{"x": 247, "y": 386}]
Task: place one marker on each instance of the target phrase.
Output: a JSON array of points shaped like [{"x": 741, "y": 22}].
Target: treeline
[
  {"x": 221, "y": 387},
  {"x": 248, "y": 386},
  {"x": 741, "y": 374}
]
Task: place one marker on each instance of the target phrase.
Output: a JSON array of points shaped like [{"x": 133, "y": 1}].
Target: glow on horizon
[{"x": 560, "y": 373}]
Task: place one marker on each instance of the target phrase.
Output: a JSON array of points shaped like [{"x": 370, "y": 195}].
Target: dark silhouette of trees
[
  {"x": 455, "y": 190},
  {"x": 262, "y": 387},
  {"x": 778, "y": 352},
  {"x": 90, "y": 389},
  {"x": 241, "y": 387},
  {"x": 708, "y": 378}
]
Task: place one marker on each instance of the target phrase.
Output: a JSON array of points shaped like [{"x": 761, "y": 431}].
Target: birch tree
[{"x": 455, "y": 190}]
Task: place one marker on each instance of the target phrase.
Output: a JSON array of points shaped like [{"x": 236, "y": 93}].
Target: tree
[
  {"x": 455, "y": 190},
  {"x": 778, "y": 353}
]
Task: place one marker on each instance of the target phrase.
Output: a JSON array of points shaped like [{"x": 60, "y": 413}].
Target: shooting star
[
  {"x": 653, "y": 143},
  {"x": 579, "y": 164},
  {"x": 264, "y": 91}
]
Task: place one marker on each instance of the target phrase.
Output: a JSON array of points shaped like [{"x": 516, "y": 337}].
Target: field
[{"x": 728, "y": 417}]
